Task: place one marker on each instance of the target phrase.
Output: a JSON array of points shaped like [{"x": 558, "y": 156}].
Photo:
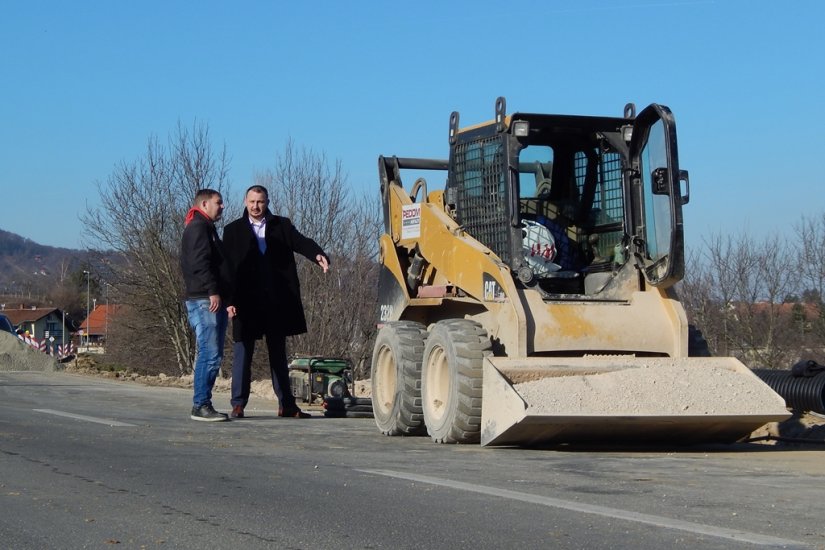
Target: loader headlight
[
  {"x": 627, "y": 133},
  {"x": 521, "y": 128}
]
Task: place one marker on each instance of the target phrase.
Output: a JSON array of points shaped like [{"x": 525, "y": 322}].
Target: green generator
[{"x": 314, "y": 378}]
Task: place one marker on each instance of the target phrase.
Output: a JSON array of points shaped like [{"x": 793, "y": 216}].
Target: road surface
[{"x": 92, "y": 463}]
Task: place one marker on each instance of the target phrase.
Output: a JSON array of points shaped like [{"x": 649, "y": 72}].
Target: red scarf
[{"x": 191, "y": 214}]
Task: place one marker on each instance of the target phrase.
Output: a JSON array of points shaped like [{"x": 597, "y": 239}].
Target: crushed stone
[
  {"x": 649, "y": 389},
  {"x": 15, "y": 355}
]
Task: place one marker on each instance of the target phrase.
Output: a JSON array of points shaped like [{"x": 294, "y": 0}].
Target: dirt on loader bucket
[{"x": 624, "y": 400}]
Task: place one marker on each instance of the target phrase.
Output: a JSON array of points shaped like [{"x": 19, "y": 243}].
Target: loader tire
[
  {"x": 396, "y": 378},
  {"x": 451, "y": 377}
]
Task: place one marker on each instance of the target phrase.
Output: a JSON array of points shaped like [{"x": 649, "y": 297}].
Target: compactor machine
[{"x": 531, "y": 299}]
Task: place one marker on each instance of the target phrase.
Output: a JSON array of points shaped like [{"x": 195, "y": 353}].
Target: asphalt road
[{"x": 91, "y": 463}]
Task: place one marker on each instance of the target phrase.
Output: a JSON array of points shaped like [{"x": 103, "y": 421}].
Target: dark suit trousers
[{"x": 242, "y": 371}]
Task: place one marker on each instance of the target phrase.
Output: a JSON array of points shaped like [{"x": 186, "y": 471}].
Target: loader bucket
[{"x": 623, "y": 400}]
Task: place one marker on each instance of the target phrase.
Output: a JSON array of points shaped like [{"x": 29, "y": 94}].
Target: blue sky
[{"x": 85, "y": 84}]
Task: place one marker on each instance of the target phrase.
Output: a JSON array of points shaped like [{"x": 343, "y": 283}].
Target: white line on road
[
  {"x": 86, "y": 418},
  {"x": 659, "y": 521}
]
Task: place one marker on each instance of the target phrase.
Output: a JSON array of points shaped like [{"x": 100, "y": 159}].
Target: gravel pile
[
  {"x": 650, "y": 389},
  {"x": 15, "y": 355}
]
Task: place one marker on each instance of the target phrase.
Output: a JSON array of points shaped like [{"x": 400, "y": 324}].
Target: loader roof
[{"x": 567, "y": 124}]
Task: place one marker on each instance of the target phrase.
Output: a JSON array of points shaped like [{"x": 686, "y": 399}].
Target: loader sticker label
[
  {"x": 386, "y": 312},
  {"x": 492, "y": 290},
  {"x": 411, "y": 221}
]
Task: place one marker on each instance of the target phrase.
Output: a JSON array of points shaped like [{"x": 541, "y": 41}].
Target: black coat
[
  {"x": 264, "y": 287},
  {"x": 202, "y": 260}
]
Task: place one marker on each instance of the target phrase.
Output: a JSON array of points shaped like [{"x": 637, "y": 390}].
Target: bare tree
[
  {"x": 810, "y": 250},
  {"x": 143, "y": 205},
  {"x": 738, "y": 298},
  {"x": 703, "y": 306}
]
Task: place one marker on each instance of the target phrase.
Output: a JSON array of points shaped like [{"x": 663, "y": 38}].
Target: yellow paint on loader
[{"x": 532, "y": 300}]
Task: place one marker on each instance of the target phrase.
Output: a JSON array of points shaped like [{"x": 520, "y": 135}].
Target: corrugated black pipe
[{"x": 801, "y": 393}]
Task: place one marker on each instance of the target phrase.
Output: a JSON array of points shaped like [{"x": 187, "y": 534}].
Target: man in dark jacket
[
  {"x": 265, "y": 300},
  {"x": 205, "y": 276}
]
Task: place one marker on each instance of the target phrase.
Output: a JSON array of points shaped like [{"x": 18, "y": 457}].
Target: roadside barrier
[{"x": 62, "y": 350}]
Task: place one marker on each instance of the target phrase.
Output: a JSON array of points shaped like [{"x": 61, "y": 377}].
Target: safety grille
[
  {"x": 608, "y": 202},
  {"x": 609, "y": 198},
  {"x": 481, "y": 193}
]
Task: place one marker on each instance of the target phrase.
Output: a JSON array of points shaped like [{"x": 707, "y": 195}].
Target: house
[
  {"x": 41, "y": 323},
  {"x": 802, "y": 314},
  {"x": 96, "y": 326}
]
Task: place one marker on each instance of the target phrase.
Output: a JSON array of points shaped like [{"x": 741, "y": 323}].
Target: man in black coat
[{"x": 265, "y": 297}]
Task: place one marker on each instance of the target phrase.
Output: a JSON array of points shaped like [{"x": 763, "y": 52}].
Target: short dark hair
[
  {"x": 205, "y": 195},
  {"x": 257, "y": 189}
]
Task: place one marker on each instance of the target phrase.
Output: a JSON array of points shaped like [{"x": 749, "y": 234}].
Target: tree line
[{"x": 758, "y": 301}]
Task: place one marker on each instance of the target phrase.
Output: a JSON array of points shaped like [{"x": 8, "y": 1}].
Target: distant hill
[{"x": 24, "y": 264}]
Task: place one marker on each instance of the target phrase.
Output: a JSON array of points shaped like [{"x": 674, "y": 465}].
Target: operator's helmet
[{"x": 539, "y": 248}]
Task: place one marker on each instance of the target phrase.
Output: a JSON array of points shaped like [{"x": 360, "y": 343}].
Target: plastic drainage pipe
[{"x": 800, "y": 393}]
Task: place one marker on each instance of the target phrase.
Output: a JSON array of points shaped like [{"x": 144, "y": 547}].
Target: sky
[{"x": 84, "y": 85}]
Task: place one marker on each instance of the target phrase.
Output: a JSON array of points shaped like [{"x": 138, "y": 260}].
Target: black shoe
[
  {"x": 206, "y": 413},
  {"x": 293, "y": 413}
]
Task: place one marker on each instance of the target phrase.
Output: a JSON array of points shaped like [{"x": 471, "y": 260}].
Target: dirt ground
[
  {"x": 801, "y": 429},
  {"x": 92, "y": 366}
]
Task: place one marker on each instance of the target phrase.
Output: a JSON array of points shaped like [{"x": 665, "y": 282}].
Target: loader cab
[{"x": 569, "y": 202}]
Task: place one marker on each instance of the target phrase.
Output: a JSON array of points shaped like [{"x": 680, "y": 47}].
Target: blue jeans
[{"x": 210, "y": 332}]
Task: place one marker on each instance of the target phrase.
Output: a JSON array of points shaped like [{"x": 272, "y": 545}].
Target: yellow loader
[{"x": 530, "y": 300}]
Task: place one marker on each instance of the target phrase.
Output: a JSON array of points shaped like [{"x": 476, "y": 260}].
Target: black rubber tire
[
  {"x": 697, "y": 345},
  {"x": 359, "y": 408},
  {"x": 396, "y": 378},
  {"x": 451, "y": 379},
  {"x": 357, "y": 414},
  {"x": 357, "y": 401}
]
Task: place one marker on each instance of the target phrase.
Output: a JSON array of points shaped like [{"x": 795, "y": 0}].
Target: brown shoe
[
  {"x": 237, "y": 412},
  {"x": 293, "y": 413}
]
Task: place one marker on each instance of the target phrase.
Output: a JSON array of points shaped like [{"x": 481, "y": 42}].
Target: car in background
[{"x": 5, "y": 324}]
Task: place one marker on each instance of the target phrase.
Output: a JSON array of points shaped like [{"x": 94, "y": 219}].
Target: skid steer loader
[{"x": 531, "y": 300}]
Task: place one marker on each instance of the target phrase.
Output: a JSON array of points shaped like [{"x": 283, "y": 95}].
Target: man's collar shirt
[{"x": 259, "y": 228}]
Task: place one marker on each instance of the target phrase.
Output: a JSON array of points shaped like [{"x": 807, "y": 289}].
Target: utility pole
[
  {"x": 88, "y": 274},
  {"x": 106, "y": 325}
]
